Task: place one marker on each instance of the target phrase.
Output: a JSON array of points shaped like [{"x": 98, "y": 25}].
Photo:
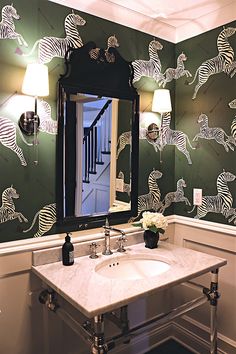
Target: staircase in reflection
[
  {"x": 96, "y": 142},
  {"x": 96, "y": 162}
]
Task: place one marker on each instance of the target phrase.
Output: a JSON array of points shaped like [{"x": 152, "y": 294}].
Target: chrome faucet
[
  {"x": 108, "y": 228},
  {"x": 107, "y": 251}
]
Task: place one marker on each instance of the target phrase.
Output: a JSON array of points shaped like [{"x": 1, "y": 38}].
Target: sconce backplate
[{"x": 27, "y": 121}]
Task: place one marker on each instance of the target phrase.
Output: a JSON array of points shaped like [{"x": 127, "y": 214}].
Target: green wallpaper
[
  {"x": 210, "y": 157},
  {"x": 36, "y": 184}
]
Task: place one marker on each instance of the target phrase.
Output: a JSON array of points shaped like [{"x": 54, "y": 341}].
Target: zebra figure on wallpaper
[
  {"x": 173, "y": 137},
  {"x": 151, "y": 200},
  {"x": 7, "y": 27},
  {"x": 112, "y": 42},
  {"x": 47, "y": 124},
  {"x": 176, "y": 73},
  {"x": 47, "y": 218},
  {"x": 221, "y": 63},
  {"x": 99, "y": 54},
  {"x": 175, "y": 197},
  {"x": 123, "y": 140},
  {"x": 231, "y": 214},
  {"x": 232, "y": 105},
  {"x": 7, "y": 209},
  {"x": 220, "y": 203},
  {"x": 127, "y": 187},
  {"x": 51, "y": 47},
  {"x": 218, "y": 134},
  {"x": 149, "y": 68},
  {"x": 8, "y": 138}
]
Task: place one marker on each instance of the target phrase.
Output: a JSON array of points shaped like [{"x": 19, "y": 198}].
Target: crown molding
[
  {"x": 160, "y": 29},
  {"x": 206, "y": 23}
]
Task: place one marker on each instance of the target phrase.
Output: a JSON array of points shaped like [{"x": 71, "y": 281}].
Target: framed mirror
[{"x": 98, "y": 115}]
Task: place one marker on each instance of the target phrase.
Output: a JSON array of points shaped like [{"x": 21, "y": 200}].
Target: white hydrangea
[{"x": 154, "y": 221}]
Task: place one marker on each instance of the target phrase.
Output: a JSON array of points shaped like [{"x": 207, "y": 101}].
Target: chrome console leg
[
  {"x": 98, "y": 346},
  {"x": 213, "y": 296},
  {"x": 213, "y": 306}
]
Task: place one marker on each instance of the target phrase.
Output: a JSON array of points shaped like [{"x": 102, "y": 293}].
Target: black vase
[{"x": 151, "y": 239}]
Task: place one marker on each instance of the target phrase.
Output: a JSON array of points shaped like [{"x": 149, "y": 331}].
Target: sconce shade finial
[
  {"x": 35, "y": 81},
  {"x": 161, "y": 102}
]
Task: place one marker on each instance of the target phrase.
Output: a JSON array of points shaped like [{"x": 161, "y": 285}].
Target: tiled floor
[{"x": 170, "y": 347}]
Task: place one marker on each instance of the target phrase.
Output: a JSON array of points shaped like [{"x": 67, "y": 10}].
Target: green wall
[
  {"x": 210, "y": 158},
  {"x": 36, "y": 184}
]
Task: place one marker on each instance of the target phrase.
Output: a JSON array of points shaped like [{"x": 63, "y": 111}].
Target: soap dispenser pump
[{"x": 67, "y": 251}]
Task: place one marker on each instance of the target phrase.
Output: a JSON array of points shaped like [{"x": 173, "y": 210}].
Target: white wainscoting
[
  {"x": 21, "y": 316},
  {"x": 218, "y": 240}
]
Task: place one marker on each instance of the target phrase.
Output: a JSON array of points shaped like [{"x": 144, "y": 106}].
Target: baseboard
[
  {"x": 188, "y": 332},
  {"x": 146, "y": 341},
  {"x": 195, "y": 336}
]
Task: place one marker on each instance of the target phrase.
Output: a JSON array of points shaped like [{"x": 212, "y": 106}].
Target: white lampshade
[
  {"x": 161, "y": 101},
  {"x": 35, "y": 81}
]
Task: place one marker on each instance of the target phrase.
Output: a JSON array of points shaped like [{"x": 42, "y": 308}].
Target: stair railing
[{"x": 95, "y": 144}]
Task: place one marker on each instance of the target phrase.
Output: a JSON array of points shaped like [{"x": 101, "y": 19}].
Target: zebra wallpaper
[
  {"x": 7, "y": 209},
  {"x": 196, "y": 144},
  {"x": 204, "y": 110},
  {"x": 7, "y": 26},
  {"x": 123, "y": 150},
  {"x": 223, "y": 62}
]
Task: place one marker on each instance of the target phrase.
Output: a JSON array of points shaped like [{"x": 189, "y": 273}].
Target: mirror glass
[{"x": 103, "y": 154}]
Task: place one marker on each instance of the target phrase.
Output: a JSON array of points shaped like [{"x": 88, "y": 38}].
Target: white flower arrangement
[{"x": 155, "y": 222}]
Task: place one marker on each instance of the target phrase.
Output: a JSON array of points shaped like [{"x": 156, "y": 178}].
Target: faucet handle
[
  {"x": 121, "y": 240},
  {"x": 93, "y": 248}
]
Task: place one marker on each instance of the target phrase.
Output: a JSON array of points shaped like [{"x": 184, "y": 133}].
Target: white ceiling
[{"x": 173, "y": 20}]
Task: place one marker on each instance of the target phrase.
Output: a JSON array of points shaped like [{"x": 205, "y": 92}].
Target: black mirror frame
[{"x": 102, "y": 79}]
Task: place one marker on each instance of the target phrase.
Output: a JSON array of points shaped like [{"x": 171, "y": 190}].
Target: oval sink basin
[{"x": 131, "y": 268}]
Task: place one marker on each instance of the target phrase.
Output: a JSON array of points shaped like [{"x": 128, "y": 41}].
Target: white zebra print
[
  {"x": 151, "y": 200},
  {"x": 221, "y": 63},
  {"x": 231, "y": 214},
  {"x": 112, "y": 42},
  {"x": 52, "y": 47},
  {"x": 232, "y": 105},
  {"x": 47, "y": 124},
  {"x": 173, "y": 137},
  {"x": 123, "y": 140},
  {"x": 8, "y": 138},
  {"x": 220, "y": 203},
  {"x": 127, "y": 186},
  {"x": 149, "y": 68},
  {"x": 217, "y": 134},
  {"x": 175, "y": 197},
  {"x": 107, "y": 55},
  {"x": 7, "y": 27},
  {"x": 175, "y": 73},
  {"x": 7, "y": 209},
  {"x": 47, "y": 218}
]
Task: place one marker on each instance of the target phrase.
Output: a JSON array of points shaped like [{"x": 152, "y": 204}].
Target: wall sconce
[
  {"x": 161, "y": 103},
  {"x": 35, "y": 84}
]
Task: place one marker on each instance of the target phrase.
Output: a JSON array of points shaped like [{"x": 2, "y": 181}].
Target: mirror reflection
[
  {"x": 103, "y": 154},
  {"x": 152, "y": 132}
]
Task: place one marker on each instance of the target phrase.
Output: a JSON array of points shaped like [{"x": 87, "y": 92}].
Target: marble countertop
[{"x": 94, "y": 294}]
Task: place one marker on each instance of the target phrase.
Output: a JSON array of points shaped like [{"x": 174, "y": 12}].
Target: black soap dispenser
[{"x": 67, "y": 251}]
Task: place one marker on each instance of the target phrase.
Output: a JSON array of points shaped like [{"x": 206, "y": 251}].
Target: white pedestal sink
[{"x": 131, "y": 268}]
